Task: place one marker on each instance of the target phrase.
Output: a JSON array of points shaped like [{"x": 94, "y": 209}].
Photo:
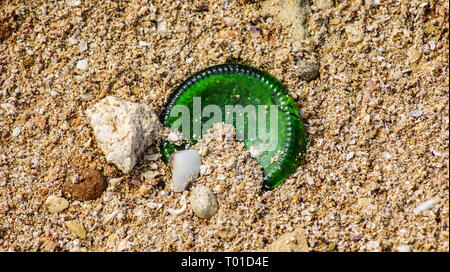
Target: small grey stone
[
  {"x": 203, "y": 202},
  {"x": 307, "y": 70}
]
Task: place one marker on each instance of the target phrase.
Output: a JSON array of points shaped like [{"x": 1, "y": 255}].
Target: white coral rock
[{"x": 123, "y": 130}]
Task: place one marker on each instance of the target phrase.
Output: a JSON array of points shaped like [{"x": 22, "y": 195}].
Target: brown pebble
[
  {"x": 91, "y": 187},
  {"x": 307, "y": 70},
  {"x": 28, "y": 61}
]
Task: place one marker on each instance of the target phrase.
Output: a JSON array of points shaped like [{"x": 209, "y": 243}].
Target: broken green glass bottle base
[{"x": 265, "y": 117}]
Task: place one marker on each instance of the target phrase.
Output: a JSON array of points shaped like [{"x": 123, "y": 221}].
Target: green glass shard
[{"x": 226, "y": 85}]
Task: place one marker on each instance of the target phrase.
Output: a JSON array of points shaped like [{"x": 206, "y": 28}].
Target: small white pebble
[
  {"x": 397, "y": 75},
  {"x": 74, "y": 3},
  {"x": 205, "y": 169},
  {"x": 161, "y": 27},
  {"x": 373, "y": 246},
  {"x": 427, "y": 205},
  {"x": 309, "y": 179},
  {"x": 73, "y": 41},
  {"x": 404, "y": 248},
  {"x": 179, "y": 211},
  {"x": 152, "y": 157},
  {"x": 432, "y": 45},
  {"x": 110, "y": 216},
  {"x": 190, "y": 60},
  {"x": 150, "y": 174},
  {"x": 123, "y": 245},
  {"x": 82, "y": 46},
  {"x": 143, "y": 43},
  {"x": 16, "y": 132},
  {"x": 120, "y": 216},
  {"x": 83, "y": 65},
  {"x": 174, "y": 136},
  {"x": 349, "y": 155},
  {"x": 153, "y": 205}
]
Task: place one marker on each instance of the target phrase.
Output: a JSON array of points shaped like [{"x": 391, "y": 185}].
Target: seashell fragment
[
  {"x": 185, "y": 165},
  {"x": 179, "y": 211}
]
